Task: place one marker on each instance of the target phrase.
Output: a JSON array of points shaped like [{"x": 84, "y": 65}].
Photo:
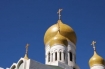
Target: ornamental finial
[
  {"x": 27, "y": 45},
  {"x": 26, "y": 54},
  {"x": 93, "y": 44},
  {"x": 59, "y": 13}
]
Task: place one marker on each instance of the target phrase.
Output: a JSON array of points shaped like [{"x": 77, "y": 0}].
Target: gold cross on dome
[
  {"x": 59, "y": 13},
  {"x": 93, "y": 44},
  {"x": 27, "y": 45}
]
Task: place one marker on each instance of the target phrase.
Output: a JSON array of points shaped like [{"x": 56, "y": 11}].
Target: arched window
[
  {"x": 74, "y": 68},
  {"x": 20, "y": 65},
  {"x": 13, "y": 67},
  {"x": 70, "y": 56},
  {"x": 60, "y": 55},
  {"x": 55, "y": 56},
  {"x": 49, "y": 57}
]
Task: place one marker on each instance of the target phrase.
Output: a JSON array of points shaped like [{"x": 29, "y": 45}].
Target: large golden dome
[
  {"x": 65, "y": 31},
  {"x": 58, "y": 39},
  {"x": 96, "y": 59}
]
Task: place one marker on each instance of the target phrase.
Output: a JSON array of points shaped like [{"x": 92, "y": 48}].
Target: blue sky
[{"x": 25, "y": 21}]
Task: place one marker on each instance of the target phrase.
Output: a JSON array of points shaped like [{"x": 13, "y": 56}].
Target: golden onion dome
[
  {"x": 65, "y": 31},
  {"x": 96, "y": 59},
  {"x": 58, "y": 39}
]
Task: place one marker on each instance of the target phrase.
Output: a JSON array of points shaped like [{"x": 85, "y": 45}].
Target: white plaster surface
[{"x": 98, "y": 67}]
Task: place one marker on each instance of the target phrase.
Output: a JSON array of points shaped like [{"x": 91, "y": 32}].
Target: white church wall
[
  {"x": 47, "y": 50},
  {"x": 21, "y": 64},
  {"x": 77, "y": 67},
  {"x": 63, "y": 49},
  {"x": 1, "y": 68},
  {"x": 98, "y": 67},
  {"x": 27, "y": 64},
  {"x": 58, "y": 48},
  {"x": 14, "y": 65},
  {"x": 64, "y": 66},
  {"x": 71, "y": 48}
]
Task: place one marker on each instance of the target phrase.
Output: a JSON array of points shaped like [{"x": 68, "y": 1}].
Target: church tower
[
  {"x": 60, "y": 45},
  {"x": 96, "y": 61}
]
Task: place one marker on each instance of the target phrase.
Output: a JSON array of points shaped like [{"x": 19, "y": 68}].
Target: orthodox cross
[
  {"x": 93, "y": 44},
  {"x": 59, "y": 13},
  {"x": 27, "y": 45}
]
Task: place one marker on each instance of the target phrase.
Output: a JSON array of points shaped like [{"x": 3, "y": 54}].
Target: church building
[{"x": 60, "y": 50}]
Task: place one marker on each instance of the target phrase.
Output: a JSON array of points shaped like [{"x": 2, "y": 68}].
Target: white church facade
[{"x": 60, "y": 51}]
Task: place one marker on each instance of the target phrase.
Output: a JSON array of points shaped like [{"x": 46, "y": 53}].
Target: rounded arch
[
  {"x": 55, "y": 50},
  {"x": 60, "y": 50},
  {"x": 60, "y": 54},
  {"x": 55, "y": 54},
  {"x": 20, "y": 64},
  {"x": 13, "y": 67}
]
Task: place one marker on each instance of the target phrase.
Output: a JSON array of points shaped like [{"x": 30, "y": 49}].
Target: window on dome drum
[
  {"x": 55, "y": 56},
  {"x": 74, "y": 68},
  {"x": 60, "y": 55},
  {"x": 70, "y": 56},
  {"x": 49, "y": 57}
]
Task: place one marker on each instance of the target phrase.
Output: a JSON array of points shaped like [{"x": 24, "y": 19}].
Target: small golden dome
[
  {"x": 65, "y": 31},
  {"x": 96, "y": 59},
  {"x": 58, "y": 39}
]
